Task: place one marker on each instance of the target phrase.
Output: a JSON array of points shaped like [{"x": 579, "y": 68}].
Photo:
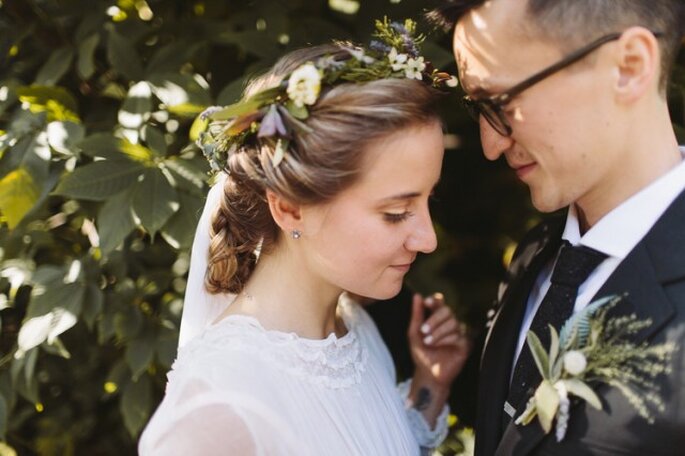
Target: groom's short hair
[{"x": 572, "y": 23}]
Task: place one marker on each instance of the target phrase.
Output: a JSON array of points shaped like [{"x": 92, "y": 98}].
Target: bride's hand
[{"x": 439, "y": 344}]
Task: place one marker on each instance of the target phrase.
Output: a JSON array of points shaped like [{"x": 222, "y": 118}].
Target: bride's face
[{"x": 365, "y": 240}]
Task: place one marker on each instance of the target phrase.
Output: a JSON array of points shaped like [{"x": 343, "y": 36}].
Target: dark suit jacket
[{"x": 653, "y": 275}]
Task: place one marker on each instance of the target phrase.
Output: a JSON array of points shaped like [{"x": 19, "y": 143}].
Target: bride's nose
[{"x": 422, "y": 238}]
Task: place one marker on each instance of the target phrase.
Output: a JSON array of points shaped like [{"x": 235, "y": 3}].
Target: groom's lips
[{"x": 524, "y": 170}]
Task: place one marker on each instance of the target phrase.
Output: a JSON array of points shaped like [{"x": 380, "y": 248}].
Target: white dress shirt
[{"x": 615, "y": 235}]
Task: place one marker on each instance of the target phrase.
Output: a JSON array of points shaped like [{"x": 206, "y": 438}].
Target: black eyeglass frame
[{"x": 491, "y": 107}]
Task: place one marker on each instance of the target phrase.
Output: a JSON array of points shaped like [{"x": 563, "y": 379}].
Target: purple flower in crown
[{"x": 272, "y": 123}]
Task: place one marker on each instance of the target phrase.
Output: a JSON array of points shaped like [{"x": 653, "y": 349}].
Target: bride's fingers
[
  {"x": 450, "y": 340},
  {"x": 416, "y": 316},
  {"x": 437, "y": 318},
  {"x": 447, "y": 327}
]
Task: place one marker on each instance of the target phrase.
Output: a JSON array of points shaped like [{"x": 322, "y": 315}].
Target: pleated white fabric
[{"x": 240, "y": 389}]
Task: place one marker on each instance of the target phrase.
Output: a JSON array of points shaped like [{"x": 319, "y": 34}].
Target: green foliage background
[{"x": 101, "y": 187}]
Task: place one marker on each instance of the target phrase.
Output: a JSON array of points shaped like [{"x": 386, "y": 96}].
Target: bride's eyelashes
[{"x": 392, "y": 217}]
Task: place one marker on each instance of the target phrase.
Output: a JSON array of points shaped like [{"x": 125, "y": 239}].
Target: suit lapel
[
  {"x": 496, "y": 362},
  {"x": 656, "y": 260}
]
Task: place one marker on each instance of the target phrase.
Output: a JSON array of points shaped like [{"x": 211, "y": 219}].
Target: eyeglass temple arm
[{"x": 568, "y": 60}]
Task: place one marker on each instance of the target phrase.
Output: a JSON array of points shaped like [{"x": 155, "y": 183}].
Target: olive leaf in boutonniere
[{"x": 592, "y": 348}]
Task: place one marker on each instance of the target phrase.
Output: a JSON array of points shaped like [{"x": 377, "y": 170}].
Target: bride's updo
[{"x": 320, "y": 162}]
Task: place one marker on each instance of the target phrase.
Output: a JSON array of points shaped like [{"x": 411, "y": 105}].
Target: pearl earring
[{"x": 296, "y": 234}]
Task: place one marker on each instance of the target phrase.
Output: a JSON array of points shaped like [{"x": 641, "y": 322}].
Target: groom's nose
[{"x": 494, "y": 144}]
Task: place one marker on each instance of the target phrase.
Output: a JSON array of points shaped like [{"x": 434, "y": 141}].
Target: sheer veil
[{"x": 200, "y": 308}]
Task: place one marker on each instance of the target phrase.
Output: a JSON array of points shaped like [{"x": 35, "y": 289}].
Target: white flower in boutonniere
[
  {"x": 304, "y": 85},
  {"x": 594, "y": 348}
]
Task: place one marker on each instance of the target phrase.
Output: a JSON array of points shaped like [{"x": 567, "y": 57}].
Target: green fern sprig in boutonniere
[{"x": 591, "y": 348}]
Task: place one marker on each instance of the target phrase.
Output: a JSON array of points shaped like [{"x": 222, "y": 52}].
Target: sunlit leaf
[
  {"x": 56, "y": 102},
  {"x": 180, "y": 93},
  {"x": 105, "y": 145},
  {"x": 137, "y": 106},
  {"x": 18, "y": 194},
  {"x": 63, "y": 136}
]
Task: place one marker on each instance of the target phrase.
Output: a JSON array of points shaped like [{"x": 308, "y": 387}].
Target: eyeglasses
[{"x": 491, "y": 107}]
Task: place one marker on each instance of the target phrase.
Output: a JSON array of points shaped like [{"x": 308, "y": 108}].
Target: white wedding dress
[{"x": 239, "y": 389}]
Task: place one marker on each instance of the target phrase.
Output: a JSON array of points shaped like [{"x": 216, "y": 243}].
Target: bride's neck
[{"x": 285, "y": 296}]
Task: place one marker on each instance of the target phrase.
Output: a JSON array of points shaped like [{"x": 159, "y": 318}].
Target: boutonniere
[{"x": 594, "y": 348}]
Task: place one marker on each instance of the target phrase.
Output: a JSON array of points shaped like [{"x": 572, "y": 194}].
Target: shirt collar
[{"x": 617, "y": 233}]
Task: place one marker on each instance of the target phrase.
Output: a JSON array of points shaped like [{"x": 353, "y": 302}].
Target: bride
[{"x": 326, "y": 166}]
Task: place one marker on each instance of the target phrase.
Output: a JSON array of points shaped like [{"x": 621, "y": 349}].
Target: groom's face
[{"x": 559, "y": 125}]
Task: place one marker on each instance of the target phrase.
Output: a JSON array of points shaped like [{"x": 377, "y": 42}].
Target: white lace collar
[{"x": 334, "y": 362}]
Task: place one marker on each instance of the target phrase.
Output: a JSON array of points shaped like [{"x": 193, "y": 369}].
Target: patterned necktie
[{"x": 572, "y": 268}]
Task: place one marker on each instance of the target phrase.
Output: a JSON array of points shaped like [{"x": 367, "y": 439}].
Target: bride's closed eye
[{"x": 398, "y": 217}]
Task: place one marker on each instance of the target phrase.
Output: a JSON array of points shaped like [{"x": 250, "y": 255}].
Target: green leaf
[
  {"x": 115, "y": 220},
  {"x": 171, "y": 57},
  {"x": 93, "y": 301},
  {"x": 123, "y": 57},
  {"x": 85, "y": 64},
  {"x": 199, "y": 125},
  {"x": 180, "y": 229},
  {"x": 167, "y": 347},
  {"x": 231, "y": 92},
  {"x": 154, "y": 200},
  {"x": 139, "y": 354},
  {"x": 237, "y": 109},
  {"x": 136, "y": 404},
  {"x": 155, "y": 140},
  {"x": 55, "y": 67},
  {"x": 137, "y": 106},
  {"x": 188, "y": 175},
  {"x": 547, "y": 401},
  {"x": 539, "y": 354},
  {"x": 45, "y": 299},
  {"x": 4, "y": 411},
  {"x": 553, "y": 348},
  {"x": 105, "y": 145},
  {"x": 99, "y": 180},
  {"x": 582, "y": 390},
  {"x": 298, "y": 112},
  {"x": 18, "y": 194}
]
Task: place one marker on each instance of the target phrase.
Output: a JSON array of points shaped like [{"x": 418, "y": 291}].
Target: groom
[{"x": 573, "y": 95}]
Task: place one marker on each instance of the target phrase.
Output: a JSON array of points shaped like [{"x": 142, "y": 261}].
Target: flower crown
[{"x": 274, "y": 115}]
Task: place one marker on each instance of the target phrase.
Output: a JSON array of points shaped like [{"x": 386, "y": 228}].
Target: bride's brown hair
[{"x": 319, "y": 164}]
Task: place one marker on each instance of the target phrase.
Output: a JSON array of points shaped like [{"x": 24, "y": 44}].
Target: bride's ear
[{"x": 286, "y": 214}]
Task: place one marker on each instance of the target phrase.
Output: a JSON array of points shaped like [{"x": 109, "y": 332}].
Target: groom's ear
[
  {"x": 286, "y": 214},
  {"x": 638, "y": 62}
]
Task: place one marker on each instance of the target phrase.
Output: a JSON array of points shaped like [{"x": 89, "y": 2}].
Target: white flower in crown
[
  {"x": 415, "y": 68},
  {"x": 575, "y": 362},
  {"x": 452, "y": 82},
  {"x": 397, "y": 61},
  {"x": 304, "y": 85}
]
